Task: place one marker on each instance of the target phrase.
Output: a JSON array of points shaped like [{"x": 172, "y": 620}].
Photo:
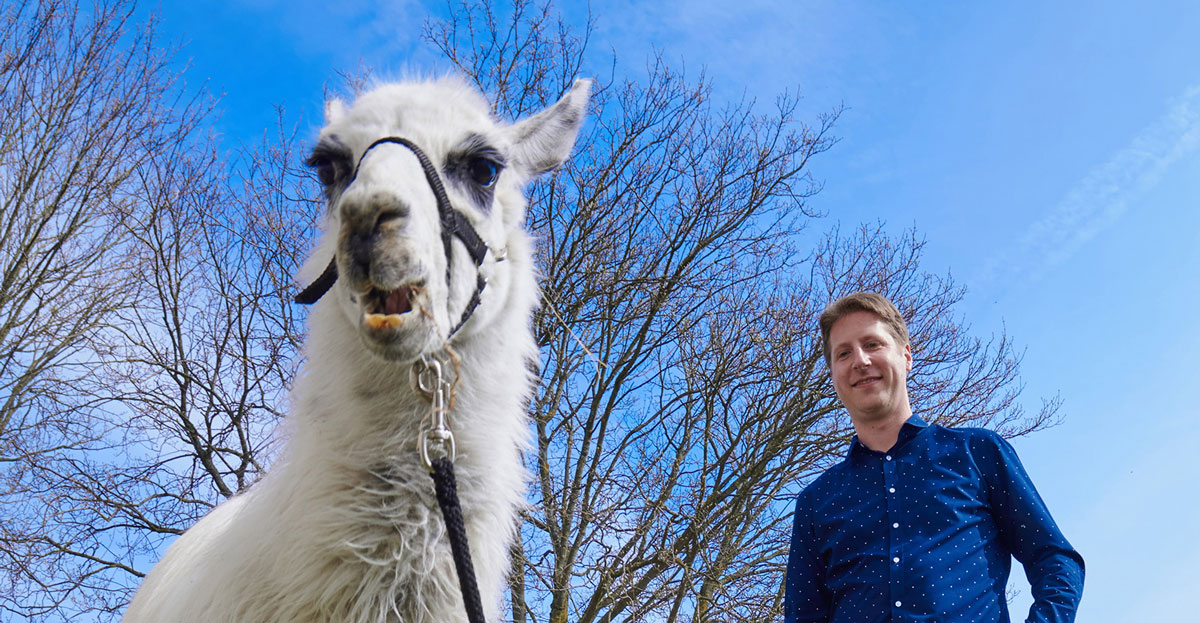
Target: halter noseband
[{"x": 453, "y": 224}]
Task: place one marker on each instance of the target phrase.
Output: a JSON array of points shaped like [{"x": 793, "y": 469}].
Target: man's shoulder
[
  {"x": 829, "y": 481},
  {"x": 983, "y": 447},
  {"x": 970, "y": 436}
]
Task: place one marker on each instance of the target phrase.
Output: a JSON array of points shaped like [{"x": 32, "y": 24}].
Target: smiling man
[{"x": 919, "y": 522}]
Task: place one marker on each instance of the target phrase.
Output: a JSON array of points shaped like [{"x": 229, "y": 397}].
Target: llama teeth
[{"x": 381, "y": 321}]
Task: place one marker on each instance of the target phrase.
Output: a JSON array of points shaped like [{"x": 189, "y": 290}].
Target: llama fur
[{"x": 345, "y": 525}]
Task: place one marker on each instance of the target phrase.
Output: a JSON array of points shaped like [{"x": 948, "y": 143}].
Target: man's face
[{"x": 870, "y": 367}]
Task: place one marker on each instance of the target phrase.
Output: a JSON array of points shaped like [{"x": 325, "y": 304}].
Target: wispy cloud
[
  {"x": 343, "y": 32},
  {"x": 1103, "y": 195}
]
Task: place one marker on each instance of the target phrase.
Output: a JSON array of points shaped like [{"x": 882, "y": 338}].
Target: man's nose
[{"x": 861, "y": 360}]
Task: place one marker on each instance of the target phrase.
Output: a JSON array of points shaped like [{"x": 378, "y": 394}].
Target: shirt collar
[{"x": 911, "y": 427}]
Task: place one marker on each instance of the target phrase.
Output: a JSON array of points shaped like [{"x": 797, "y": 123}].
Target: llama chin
[{"x": 345, "y": 525}]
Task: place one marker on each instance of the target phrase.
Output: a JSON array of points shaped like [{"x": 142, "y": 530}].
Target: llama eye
[
  {"x": 326, "y": 172},
  {"x": 330, "y": 163},
  {"x": 483, "y": 171}
]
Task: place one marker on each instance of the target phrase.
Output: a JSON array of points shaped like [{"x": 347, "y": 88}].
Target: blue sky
[{"x": 1049, "y": 152}]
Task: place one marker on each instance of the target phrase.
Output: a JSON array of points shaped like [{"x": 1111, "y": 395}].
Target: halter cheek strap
[{"x": 453, "y": 225}]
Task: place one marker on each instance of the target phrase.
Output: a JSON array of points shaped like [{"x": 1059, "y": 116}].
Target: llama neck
[{"x": 350, "y": 403}]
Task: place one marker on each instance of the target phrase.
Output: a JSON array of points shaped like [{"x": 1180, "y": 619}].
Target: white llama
[{"x": 345, "y": 526}]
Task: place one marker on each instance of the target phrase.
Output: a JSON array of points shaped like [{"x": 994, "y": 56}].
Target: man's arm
[
  {"x": 805, "y": 598},
  {"x": 1053, "y": 567}
]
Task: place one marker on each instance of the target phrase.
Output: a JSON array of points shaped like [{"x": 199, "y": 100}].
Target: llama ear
[
  {"x": 544, "y": 140},
  {"x": 335, "y": 109}
]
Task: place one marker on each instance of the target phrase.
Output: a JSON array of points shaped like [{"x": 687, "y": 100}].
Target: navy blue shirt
[{"x": 926, "y": 532}]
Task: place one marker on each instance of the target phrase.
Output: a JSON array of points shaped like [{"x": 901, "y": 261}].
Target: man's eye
[{"x": 483, "y": 171}]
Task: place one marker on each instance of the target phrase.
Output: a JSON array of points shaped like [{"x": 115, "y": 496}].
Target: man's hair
[{"x": 862, "y": 301}]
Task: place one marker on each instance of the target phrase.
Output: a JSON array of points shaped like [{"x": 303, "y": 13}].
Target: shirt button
[
  {"x": 896, "y": 559},
  {"x": 897, "y": 604},
  {"x": 895, "y": 525},
  {"x": 889, "y": 457},
  {"x": 891, "y": 490}
]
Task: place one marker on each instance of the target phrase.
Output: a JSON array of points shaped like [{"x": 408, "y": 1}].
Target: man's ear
[
  {"x": 543, "y": 141},
  {"x": 908, "y": 357}
]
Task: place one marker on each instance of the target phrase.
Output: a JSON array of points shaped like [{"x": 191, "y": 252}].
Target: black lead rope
[
  {"x": 453, "y": 225},
  {"x": 447, "y": 495}
]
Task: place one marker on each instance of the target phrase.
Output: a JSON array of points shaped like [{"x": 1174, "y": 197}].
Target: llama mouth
[{"x": 386, "y": 309}]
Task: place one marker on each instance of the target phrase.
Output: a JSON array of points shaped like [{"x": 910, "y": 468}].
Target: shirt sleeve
[
  {"x": 1053, "y": 567},
  {"x": 806, "y": 599}
]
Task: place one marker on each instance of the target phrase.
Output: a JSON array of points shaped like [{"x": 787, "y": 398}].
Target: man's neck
[{"x": 880, "y": 435}]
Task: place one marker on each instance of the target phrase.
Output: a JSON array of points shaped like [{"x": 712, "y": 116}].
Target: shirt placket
[{"x": 891, "y": 485}]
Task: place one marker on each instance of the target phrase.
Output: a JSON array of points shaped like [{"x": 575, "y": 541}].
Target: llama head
[{"x": 405, "y": 280}]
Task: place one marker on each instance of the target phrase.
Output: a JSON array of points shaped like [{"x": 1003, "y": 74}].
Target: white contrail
[{"x": 1104, "y": 194}]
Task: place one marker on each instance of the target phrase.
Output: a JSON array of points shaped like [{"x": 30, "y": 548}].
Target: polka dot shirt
[{"x": 926, "y": 532}]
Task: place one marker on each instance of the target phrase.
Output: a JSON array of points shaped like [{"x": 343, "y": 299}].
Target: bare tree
[
  {"x": 83, "y": 110},
  {"x": 191, "y": 384},
  {"x": 684, "y": 398},
  {"x": 149, "y": 339},
  {"x": 88, "y": 103}
]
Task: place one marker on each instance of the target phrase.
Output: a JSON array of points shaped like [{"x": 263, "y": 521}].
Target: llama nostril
[{"x": 388, "y": 216}]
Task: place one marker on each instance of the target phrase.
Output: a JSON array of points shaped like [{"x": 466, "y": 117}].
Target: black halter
[{"x": 453, "y": 224}]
